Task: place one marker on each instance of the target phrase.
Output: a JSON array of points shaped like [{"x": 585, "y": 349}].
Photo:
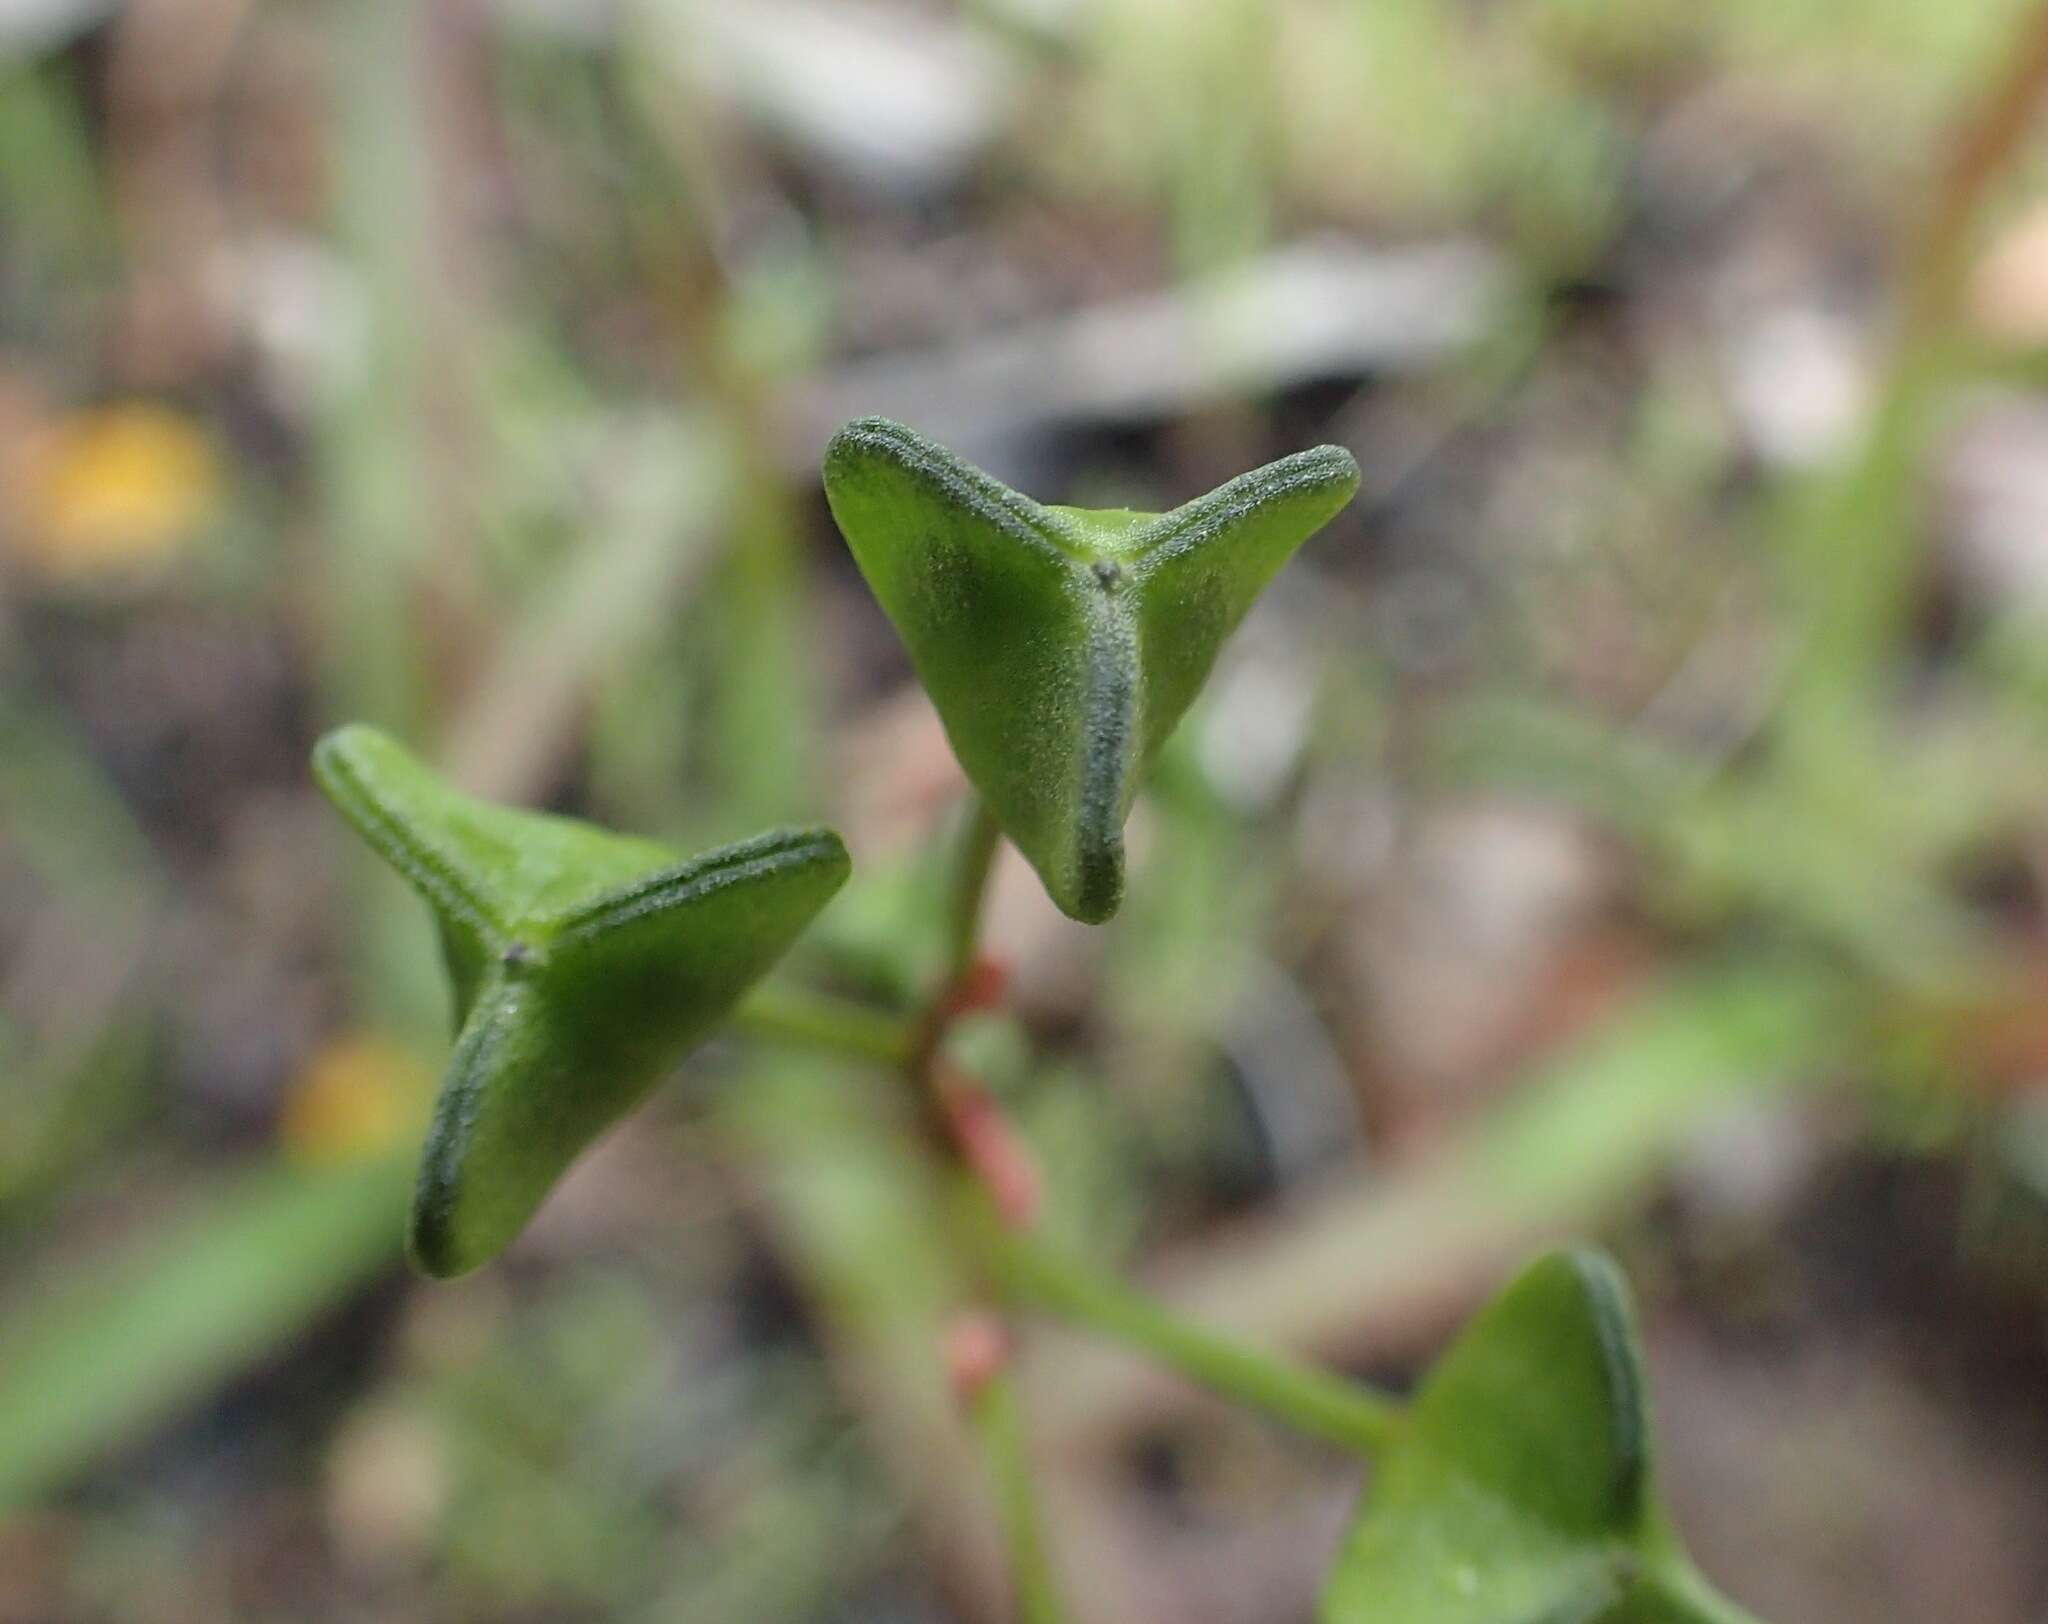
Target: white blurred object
[
  {"x": 1993, "y": 487},
  {"x": 1324, "y": 308},
  {"x": 1470, "y": 916},
  {"x": 889, "y": 95},
  {"x": 31, "y": 26},
  {"x": 1749, "y": 1165},
  {"x": 1255, "y": 720},
  {"x": 303, "y": 311},
  {"x": 1294, "y": 1079},
  {"x": 1799, "y": 383}
]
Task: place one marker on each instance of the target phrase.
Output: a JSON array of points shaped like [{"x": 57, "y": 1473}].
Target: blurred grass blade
[
  {"x": 866, "y": 1227},
  {"x": 75, "y": 1009},
  {"x": 58, "y": 807},
  {"x": 765, "y": 722},
  {"x": 1528, "y": 744},
  {"x": 1006, "y": 1439},
  {"x": 104, "y": 1356},
  {"x": 51, "y": 184},
  {"x": 606, "y": 606},
  {"x": 1581, "y": 1139}
]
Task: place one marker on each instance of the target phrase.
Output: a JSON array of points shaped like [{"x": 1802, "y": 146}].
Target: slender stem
[
  {"x": 1352, "y": 1416},
  {"x": 1980, "y": 151},
  {"x": 998, "y": 1408},
  {"x": 819, "y": 1021},
  {"x": 967, "y": 886},
  {"x": 1689, "y": 1598},
  {"x": 795, "y": 1015},
  {"x": 1853, "y": 547},
  {"x": 999, "y": 1416},
  {"x": 978, "y": 844}
]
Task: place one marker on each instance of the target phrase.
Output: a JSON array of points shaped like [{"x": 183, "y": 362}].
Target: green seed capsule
[
  {"x": 585, "y": 965},
  {"x": 1062, "y": 645}
]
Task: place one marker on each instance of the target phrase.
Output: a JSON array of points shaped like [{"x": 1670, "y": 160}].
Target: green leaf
[
  {"x": 1062, "y": 645},
  {"x": 114, "y": 1345},
  {"x": 585, "y": 965},
  {"x": 1520, "y": 1491}
]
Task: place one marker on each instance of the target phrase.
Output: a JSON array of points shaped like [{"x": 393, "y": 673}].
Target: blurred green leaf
[
  {"x": 1062, "y": 645},
  {"x": 756, "y": 630},
  {"x": 585, "y": 965},
  {"x": 67, "y": 1104},
  {"x": 871, "y": 1234},
  {"x": 1520, "y": 1490},
  {"x": 50, "y": 178},
  {"x": 1585, "y": 1134},
  {"x": 603, "y": 609},
  {"x": 117, "y": 1348}
]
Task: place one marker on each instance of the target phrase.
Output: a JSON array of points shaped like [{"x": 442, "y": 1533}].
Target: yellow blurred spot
[
  {"x": 358, "y": 1098},
  {"x": 112, "y": 490}
]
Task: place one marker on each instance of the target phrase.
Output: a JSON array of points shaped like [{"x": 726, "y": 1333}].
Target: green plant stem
[
  {"x": 967, "y": 886},
  {"x": 1348, "y": 1414},
  {"x": 1687, "y": 1596},
  {"x": 818, "y": 1021},
  {"x": 997, "y": 1409},
  {"x": 1023, "y": 1271},
  {"x": 977, "y": 859},
  {"x": 999, "y": 1418},
  {"x": 1980, "y": 151},
  {"x": 1851, "y": 544}
]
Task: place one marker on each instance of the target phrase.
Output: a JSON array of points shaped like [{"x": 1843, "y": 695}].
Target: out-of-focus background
[{"x": 1629, "y": 819}]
